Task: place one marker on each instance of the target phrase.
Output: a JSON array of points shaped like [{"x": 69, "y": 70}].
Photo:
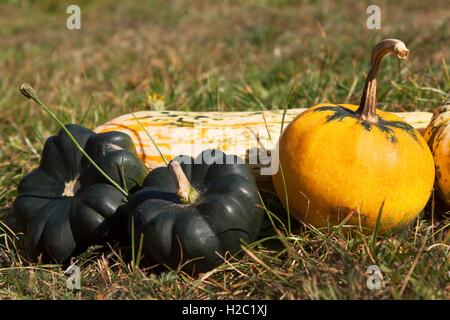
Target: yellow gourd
[
  {"x": 343, "y": 160},
  {"x": 437, "y": 135}
]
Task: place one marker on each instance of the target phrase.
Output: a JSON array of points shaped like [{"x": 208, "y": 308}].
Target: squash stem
[
  {"x": 30, "y": 93},
  {"x": 368, "y": 106},
  {"x": 185, "y": 192}
]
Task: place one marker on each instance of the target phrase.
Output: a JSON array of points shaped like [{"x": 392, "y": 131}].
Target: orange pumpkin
[
  {"x": 343, "y": 160},
  {"x": 437, "y": 135}
]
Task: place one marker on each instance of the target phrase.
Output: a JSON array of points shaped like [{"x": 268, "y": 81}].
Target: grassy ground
[{"x": 205, "y": 55}]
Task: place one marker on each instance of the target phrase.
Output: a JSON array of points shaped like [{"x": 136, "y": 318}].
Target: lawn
[{"x": 220, "y": 55}]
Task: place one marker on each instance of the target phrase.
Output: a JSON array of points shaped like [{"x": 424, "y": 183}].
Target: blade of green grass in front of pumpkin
[
  {"x": 272, "y": 215},
  {"x": 432, "y": 214},
  {"x": 282, "y": 120},
  {"x": 281, "y": 167},
  {"x": 122, "y": 176},
  {"x": 286, "y": 107},
  {"x": 30, "y": 93},
  {"x": 282, "y": 174},
  {"x": 139, "y": 253},
  {"x": 133, "y": 245},
  {"x": 373, "y": 240},
  {"x": 150, "y": 137},
  {"x": 286, "y": 198}
]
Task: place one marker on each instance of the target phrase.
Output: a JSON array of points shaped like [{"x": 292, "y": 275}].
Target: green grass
[{"x": 204, "y": 55}]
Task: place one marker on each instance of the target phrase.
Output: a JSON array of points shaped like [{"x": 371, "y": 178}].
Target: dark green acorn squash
[
  {"x": 219, "y": 208},
  {"x": 66, "y": 205}
]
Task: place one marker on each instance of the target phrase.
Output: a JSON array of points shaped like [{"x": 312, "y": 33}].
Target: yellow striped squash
[{"x": 240, "y": 133}]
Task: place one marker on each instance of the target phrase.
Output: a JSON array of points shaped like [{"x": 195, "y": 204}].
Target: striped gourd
[
  {"x": 189, "y": 133},
  {"x": 437, "y": 135}
]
